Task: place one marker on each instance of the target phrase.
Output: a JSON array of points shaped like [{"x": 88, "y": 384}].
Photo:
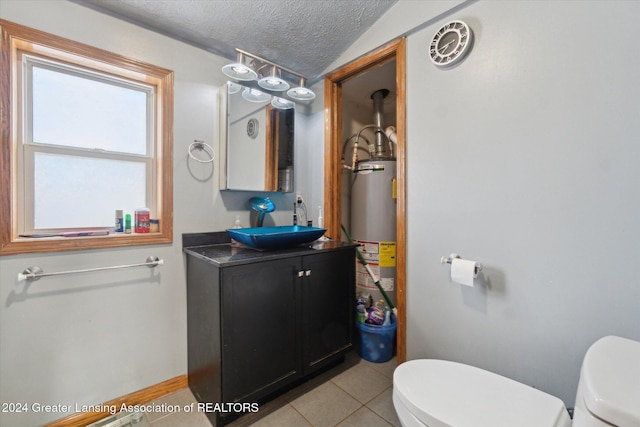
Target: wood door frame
[
  {"x": 272, "y": 132},
  {"x": 394, "y": 50}
]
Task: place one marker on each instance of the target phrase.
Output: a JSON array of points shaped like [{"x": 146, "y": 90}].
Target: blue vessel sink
[{"x": 277, "y": 237}]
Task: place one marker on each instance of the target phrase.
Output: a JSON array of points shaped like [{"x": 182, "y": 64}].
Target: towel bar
[{"x": 35, "y": 272}]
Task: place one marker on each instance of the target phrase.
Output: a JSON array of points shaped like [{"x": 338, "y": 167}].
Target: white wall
[
  {"x": 525, "y": 158},
  {"x": 311, "y": 152},
  {"x": 93, "y": 337}
]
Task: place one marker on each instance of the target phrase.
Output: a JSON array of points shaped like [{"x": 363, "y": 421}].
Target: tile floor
[{"x": 354, "y": 393}]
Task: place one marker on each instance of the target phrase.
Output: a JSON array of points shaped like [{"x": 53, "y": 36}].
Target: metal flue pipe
[{"x": 381, "y": 150}]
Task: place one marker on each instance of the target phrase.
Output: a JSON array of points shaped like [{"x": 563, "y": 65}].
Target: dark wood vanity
[{"x": 260, "y": 322}]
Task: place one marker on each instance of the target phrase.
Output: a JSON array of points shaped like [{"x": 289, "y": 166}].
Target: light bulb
[
  {"x": 254, "y": 95},
  {"x": 239, "y": 71},
  {"x": 281, "y": 103},
  {"x": 273, "y": 83},
  {"x": 301, "y": 93}
]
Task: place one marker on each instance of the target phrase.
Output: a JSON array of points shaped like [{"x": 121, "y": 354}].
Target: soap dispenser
[
  {"x": 320, "y": 217},
  {"x": 236, "y": 224}
]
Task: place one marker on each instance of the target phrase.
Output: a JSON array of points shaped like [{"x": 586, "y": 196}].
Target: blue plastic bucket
[{"x": 376, "y": 342}]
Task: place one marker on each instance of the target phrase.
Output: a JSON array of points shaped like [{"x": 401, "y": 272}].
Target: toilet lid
[
  {"x": 611, "y": 378},
  {"x": 441, "y": 393}
]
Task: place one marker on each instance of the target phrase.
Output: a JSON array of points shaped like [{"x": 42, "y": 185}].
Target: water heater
[
  {"x": 373, "y": 225},
  {"x": 373, "y": 208}
]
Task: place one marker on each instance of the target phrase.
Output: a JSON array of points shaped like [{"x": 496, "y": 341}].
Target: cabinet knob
[
  {"x": 307, "y": 273},
  {"x": 300, "y": 273}
]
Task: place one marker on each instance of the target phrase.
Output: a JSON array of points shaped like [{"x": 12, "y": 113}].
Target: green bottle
[{"x": 127, "y": 224}]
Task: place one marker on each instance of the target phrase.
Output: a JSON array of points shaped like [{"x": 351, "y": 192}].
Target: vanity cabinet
[{"x": 264, "y": 321}]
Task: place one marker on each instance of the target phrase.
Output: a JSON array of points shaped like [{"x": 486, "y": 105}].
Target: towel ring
[{"x": 197, "y": 144}]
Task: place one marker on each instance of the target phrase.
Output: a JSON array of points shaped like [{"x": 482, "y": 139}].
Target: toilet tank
[{"x": 609, "y": 387}]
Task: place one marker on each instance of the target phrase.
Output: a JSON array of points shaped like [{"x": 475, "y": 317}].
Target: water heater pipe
[{"x": 378, "y": 112}]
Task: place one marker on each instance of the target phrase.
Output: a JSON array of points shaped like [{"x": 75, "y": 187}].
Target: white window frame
[
  {"x": 26, "y": 156},
  {"x": 23, "y": 47}
]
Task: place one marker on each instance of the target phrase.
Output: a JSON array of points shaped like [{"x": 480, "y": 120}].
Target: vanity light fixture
[
  {"x": 273, "y": 82},
  {"x": 233, "y": 87},
  {"x": 239, "y": 70},
  {"x": 282, "y": 104},
  {"x": 256, "y": 68},
  {"x": 301, "y": 93},
  {"x": 254, "y": 95}
]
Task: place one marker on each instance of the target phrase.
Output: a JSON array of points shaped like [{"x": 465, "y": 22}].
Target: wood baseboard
[{"x": 139, "y": 397}]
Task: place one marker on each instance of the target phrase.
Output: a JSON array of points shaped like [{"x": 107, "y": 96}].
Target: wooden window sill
[{"x": 23, "y": 245}]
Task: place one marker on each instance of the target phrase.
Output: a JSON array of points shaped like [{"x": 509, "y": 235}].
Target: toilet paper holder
[{"x": 449, "y": 260}]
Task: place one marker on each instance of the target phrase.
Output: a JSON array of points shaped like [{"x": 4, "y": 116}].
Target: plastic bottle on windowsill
[{"x": 127, "y": 224}]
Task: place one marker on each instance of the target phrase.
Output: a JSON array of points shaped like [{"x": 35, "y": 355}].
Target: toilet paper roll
[{"x": 463, "y": 271}]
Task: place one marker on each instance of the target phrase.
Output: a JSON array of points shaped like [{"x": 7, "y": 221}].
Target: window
[{"x": 84, "y": 132}]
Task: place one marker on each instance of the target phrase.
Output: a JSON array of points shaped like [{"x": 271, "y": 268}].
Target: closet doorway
[{"x": 393, "y": 52}]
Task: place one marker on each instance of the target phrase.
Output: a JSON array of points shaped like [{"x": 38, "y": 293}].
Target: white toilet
[{"x": 440, "y": 393}]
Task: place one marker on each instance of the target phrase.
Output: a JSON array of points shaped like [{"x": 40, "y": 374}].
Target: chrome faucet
[{"x": 262, "y": 205}]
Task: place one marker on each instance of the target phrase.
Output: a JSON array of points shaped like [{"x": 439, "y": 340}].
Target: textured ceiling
[{"x": 303, "y": 35}]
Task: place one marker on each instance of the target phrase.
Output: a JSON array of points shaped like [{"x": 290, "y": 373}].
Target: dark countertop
[{"x": 218, "y": 249}]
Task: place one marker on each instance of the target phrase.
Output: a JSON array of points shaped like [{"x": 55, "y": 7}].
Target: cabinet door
[
  {"x": 328, "y": 291},
  {"x": 260, "y": 318}
]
